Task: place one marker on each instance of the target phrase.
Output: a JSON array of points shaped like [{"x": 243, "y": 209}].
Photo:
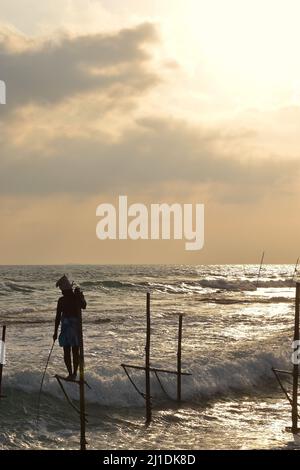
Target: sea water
[{"x": 234, "y": 332}]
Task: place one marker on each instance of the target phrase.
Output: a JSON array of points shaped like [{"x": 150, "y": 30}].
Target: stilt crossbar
[
  {"x": 154, "y": 369},
  {"x": 59, "y": 379}
]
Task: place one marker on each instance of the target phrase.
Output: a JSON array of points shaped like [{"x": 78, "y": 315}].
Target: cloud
[
  {"x": 47, "y": 16},
  {"x": 77, "y": 127},
  {"x": 50, "y": 71},
  {"x": 153, "y": 153}
]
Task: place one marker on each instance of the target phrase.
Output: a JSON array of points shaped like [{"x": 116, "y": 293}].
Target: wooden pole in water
[
  {"x": 295, "y": 270},
  {"x": 81, "y": 387},
  {"x": 260, "y": 266},
  {"x": 179, "y": 359},
  {"x": 2, "y": 358},
  {"x": 296, "y": 366},
  {"x": 147, "y": 362}
]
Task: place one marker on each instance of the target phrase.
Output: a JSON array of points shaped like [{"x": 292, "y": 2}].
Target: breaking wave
[
  {"x": 190, "y": 286},
  {"x": 111, "y": 388},
  {"x": 10, "y": 286}
]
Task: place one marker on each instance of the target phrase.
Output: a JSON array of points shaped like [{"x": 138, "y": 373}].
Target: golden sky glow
[{"x": 181, "y": 101}]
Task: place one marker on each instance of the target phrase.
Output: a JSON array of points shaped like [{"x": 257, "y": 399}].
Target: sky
[{"x": 194, "y": 101}]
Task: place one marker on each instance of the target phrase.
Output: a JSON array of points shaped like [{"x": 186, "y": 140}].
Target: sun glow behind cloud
[
  {"x": 234, "y": 54},
  {"x": 246, "y": 48}
]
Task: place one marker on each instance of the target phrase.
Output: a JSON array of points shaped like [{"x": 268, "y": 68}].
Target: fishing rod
[
  {"x": 295, "y": 270},
  {"x": 41, "y": 387},
  {"x": 259, "y": 271}
]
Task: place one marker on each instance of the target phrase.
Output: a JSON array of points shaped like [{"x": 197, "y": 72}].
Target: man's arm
[{"x": 57, "y": 319}]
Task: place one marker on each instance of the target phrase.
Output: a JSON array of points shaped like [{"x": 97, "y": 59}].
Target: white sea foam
[{"x": 111, "y": 388}]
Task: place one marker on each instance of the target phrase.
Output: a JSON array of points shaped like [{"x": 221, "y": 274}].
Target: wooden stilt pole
[
  {"x": 295, "y": 271},
  {"x": 260, "y": 266},
  {"x": 147, "y": 362},
  {"x": 179, "y": 359},
  {"x": 81, "y": 387},
  {"x": 2, "y": 358},
  {"x": 296, "y": 366},
  {"x": 154, "y": 369}
]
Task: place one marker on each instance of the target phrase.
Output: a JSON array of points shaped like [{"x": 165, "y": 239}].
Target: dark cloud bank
[{"x": 51, "y": 71}]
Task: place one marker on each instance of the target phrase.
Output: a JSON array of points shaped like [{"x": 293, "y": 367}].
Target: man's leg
[
  {"x": 75, "y": 352},
  {"x": 67, "y": 358}
]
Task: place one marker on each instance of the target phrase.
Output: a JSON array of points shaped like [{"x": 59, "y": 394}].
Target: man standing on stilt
[{"x": 68, "y": 314}]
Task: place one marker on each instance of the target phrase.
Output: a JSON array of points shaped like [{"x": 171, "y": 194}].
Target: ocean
[{"x": 233, "y": 333}]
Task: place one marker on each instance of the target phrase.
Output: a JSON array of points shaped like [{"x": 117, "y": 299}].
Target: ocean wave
[
  {"x": 180, "y": 286},
  {"x": 18, "y": 310},
  {"x": 183, "y": 286},
  {"x": 245, "y": 375},
  {"x": 10, "y": 286},
  {"x": 243, "y": 300},
  {"x": 244, "y": 284},
  {"x": 109, "y": 284},
  {"x": 47, "y": 321},
  {"x": 136, "y": 286},
  {"x": 111, "y": 388},
  {"x": 24, "y": 315},
  {"x": 225, "y": 284}
]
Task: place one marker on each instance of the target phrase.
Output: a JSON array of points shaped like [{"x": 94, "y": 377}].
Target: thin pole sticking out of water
[
  {"x": 296, "y": 366},
  {"x": 295, "y": 270},
  {"x": 179, "y": 359},
  {"x": 260, "y": 266},
  {"x": 2, "y": 356},
  {"x": 42, "y": 383},
  {"x": 81, "y": 386},
  {"x": 147, "y": 363}
]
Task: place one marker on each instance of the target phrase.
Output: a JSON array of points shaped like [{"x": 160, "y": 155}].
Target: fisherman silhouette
[{"x": 68, "y": 314}]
